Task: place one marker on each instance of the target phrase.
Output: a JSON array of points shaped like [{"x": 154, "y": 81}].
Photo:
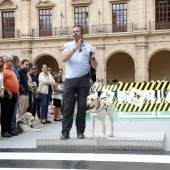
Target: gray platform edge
[{"x": 121, "y": 141}]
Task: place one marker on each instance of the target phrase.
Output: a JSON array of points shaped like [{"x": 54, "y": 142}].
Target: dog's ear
[{"x": 27, "y": 116}]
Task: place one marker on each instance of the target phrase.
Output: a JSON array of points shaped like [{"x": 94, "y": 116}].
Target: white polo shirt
[{"x": 78, "y": 65}]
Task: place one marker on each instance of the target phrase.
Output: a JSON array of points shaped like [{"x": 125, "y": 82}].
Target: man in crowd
[
  {"x": 24, "y": 100},
  {"x": 36, "y": 101},
  {"x": 15, "y": 69},
  {"x": 11, "y": 95}
]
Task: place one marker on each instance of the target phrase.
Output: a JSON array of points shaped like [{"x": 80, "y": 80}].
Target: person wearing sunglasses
[
  {"x": 79, "y": 56},
  {"x": 36, "y": 101}
]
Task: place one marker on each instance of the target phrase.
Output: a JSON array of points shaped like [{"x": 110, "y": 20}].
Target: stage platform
[{"x": 120, "y": 141}]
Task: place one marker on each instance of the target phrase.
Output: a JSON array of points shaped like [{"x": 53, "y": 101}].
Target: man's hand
[
  {"x": 18, "y": 95},
  {"x": 92, "y": 54},
  {"x": 78, "y": 45},
  {"x": 1, "y": 92},
  {"x": 10, "y": 94}
]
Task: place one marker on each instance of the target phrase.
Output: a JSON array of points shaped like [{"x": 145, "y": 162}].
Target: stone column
[
  {"x": 100, "y": 71},
  {"x": 141, "y": 12},
  {"x": 25, "y": 18},
  {"x": 141, "y": 71}
]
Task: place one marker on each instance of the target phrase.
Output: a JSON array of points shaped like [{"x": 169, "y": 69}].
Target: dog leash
[{"x": 105, "y": 107}]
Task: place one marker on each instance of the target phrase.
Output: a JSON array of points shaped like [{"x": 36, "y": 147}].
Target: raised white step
[{"x": 121, "y": 141}]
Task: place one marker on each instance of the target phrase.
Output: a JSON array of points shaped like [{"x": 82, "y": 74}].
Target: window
[
  {"x": 8, "y": 25},
  {"x": 45, "y": 22},
  {"x": 119, "y": 17},
  {"x": 162, "y": 13},
  {"x": 81, "y": 17}
]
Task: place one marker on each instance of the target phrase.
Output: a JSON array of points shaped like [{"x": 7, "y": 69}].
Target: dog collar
[{"x": 105, "y": 107}]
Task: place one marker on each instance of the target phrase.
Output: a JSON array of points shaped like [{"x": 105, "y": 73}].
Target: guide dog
[
  {"x": 99, "y": 108},
  {"x": 25, "y": 122}
]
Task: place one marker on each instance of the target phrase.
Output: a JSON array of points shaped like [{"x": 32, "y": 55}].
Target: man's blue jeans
[{"x": 14, "y": 124}]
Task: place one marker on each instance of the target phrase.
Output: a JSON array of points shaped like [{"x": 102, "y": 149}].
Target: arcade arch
[
  {"x": 48, "y": 60},
  {"x": 120, "y": 66},
  {"x": 159, "y": 65}
]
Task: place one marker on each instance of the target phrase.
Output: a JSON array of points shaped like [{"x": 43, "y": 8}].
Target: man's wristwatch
[{"x": 93, "y": 58}]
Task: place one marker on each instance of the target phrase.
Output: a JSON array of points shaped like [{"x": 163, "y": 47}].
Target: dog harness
[{"x": 104, "y": 107}]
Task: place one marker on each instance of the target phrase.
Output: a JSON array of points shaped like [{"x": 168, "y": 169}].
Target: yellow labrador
[
  {"x": 99, "y": 108},
  {"x": 25, "y": 123}
]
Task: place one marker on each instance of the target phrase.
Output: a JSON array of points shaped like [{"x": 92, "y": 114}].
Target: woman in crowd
[
  {"x": 57, "y": 97},
  {"x": 1, "y": 77},
  {"x": 32, "y": 87},
  {"x": 45, "y": 88}
]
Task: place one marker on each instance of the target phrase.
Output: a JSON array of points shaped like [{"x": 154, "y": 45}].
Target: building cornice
[
  {"x": 44, "y": 3},
  {"x": 79, "y": 2},
  {"x": 118, "y": 1}
]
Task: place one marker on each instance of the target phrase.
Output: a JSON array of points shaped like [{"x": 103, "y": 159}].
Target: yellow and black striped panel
[
  {"x": 108, "y": 87},
  {"x": 146, "y": 107},
  {"x": 140, "y": 86}
]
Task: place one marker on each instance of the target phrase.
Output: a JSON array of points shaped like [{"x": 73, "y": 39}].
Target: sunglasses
[
  {"x": 49, "y": 70},
  {"x": 11, "y": 61}
]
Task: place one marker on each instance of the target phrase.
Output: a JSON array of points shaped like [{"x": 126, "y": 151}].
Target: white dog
[
  {"x": 99, "y": 108},
  {"x": 25, "y": 122}
]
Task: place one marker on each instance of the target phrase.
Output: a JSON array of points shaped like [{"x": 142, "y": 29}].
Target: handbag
[{"x": 38, "y": 91}]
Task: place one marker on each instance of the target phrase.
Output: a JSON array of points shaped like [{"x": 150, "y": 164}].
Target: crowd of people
[{"x": 23, "y": 89}]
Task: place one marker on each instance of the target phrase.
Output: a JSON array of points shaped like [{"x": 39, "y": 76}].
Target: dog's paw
[
  {"x": 103, "y": 137},
  {"x": 91, "y": 136}
]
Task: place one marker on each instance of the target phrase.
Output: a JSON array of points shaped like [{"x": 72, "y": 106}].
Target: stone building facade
[{"x": 131, "y": 37}]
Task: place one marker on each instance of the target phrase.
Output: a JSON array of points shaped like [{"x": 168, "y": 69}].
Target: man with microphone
[{"x": 78, "y": 56}]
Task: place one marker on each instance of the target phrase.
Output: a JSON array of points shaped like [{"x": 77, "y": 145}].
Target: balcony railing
[
  {"x": 10, "y": 34},
  {"x": 92, "y": 29},
  {"x": 158, "y": 26}
]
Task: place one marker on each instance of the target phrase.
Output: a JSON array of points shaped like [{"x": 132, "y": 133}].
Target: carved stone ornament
[
  {"x": 118, "y": 0},
  {"x": 100, "y": 48},
  {"x": 77, "y": 2},
  {"x": 8, "y": 4},
  {"x": 44, "y": 3}
]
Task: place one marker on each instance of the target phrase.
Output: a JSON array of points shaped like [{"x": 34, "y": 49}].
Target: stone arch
[
  {"x": 155, "y": 50},
  {"x": 43, "y": 59},
  {"x": 158, "y": 63},
  {"x": 114, "y": 69},
  {"x": 117, "y": 50}
]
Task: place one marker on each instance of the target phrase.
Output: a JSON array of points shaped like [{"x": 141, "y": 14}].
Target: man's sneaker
[
  {"x": 80, "y": 136},
  {"x": 64, "y": 136}
]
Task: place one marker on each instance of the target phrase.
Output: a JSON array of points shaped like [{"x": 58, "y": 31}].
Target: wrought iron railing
[
  {"x": 92, "y": 29},
  {"x": 158, "y": 25},
  {"x": 10, "y": 34}
]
